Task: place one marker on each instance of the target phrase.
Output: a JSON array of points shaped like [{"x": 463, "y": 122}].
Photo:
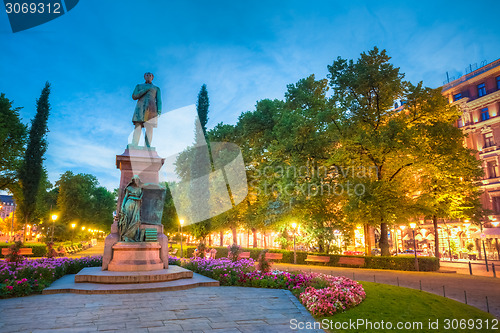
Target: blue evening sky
[{"x": 244, "y": 51}]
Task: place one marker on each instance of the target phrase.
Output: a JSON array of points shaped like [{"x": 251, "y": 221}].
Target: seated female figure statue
[{"x": 130, "y": 213}]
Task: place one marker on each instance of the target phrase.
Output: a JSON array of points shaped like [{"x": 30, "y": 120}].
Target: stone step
[
  {"x": 96, "y": 275},
  {"x": 67, "y": 284}
]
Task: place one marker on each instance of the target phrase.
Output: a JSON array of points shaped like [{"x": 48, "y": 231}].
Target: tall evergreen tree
[
  {"x": 31, "y": 171},
  {"x": 202, "y": 108},
  {"x": 200, "y": 167}
]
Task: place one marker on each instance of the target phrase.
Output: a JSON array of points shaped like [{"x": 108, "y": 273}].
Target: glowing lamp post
[
  {"x": 294, "y": 226},
  {"x": 413, "y": 226},
  {"x": 54, "y": 218},
  {"x": 181, "y": 222},
  {"x": 73, "y": 225}
]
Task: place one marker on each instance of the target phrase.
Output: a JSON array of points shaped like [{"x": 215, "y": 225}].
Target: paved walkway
[
  {"x": 205, "y": 309},
  {"x": 456, "y": 285},
  {"x": 477, "y": 288}
]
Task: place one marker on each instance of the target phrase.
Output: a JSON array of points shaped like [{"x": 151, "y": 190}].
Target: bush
[
  {"x": 32, "y": 276},
  {"x": 39, "y": 249},
  {"x": 403, "y": 263}
]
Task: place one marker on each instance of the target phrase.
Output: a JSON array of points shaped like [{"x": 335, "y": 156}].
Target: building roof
[{"x": 471, "y": 75}]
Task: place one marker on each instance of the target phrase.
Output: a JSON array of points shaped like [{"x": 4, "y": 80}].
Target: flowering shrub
[
  {"x": 223, "y": 269},
  {"x": 33, "y": 275},
  {"x": 341, "y": 294},
  {"x": 320, "y": 293}
]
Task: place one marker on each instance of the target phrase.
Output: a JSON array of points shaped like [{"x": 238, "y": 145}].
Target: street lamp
[
  {"x": 73, "y": 225},
  {"x": 54, "y": 218},
  {"x": 413, "y": 226},
  {"x": 294, "y": 226},
  {"x": 402, "y": 227},
  {"x": 181, "y": 222}
]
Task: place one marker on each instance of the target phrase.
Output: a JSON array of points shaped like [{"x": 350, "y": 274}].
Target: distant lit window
[
  {"x": 485, "y": 115},
  {"x": 456, "y": 97},
  {"x": 481, "y": 90},
  {"x": 498, "y": 82},
  {"x": 460, "y": 122}
]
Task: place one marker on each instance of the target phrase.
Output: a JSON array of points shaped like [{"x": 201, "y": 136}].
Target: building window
[
  {"x": 460, "y": 122},
  {"x": 498, "y": 82},
  {"x": 481, "y": 90},
  {"x": 456, "y": 97},
  {"x": 488, "y": 140},
  {"x": 492, "y": 170},
  {"x": 485, "y": 115},
  {"x": 496, "y": 204}
]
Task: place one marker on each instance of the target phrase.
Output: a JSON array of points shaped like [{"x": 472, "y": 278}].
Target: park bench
[
  {"x": 244, "y": 255},
  {"x": 313, "y": 258},
  {"x": 25, "y": 251},
  {"x": 351, "y": 261},
  {"x": 273, "y": 256}
]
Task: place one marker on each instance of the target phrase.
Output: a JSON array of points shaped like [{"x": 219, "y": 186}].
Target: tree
[
  {"x": 82, "y": 200},
  {"x": 200, "y": 167},
  {"x": 12, "y": 141},
  {"x": 449, "y": 172},
  {"x": 373, "y": 133},
  {"x": 31, "y": 170}
]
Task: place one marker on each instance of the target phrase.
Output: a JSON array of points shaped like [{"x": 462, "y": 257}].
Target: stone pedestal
[
  {"x": 140, "y": 256},
  {"x": 140, "y": 161},
  {"x": 135, "y": 257}
]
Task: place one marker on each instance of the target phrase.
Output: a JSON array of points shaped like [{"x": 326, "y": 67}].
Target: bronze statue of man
[{"x": 148, "y": 108}]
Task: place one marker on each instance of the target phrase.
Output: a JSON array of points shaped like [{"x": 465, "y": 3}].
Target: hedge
[
  {"x": 39, "y": 249},
  {"x": 402, "y": 263}
]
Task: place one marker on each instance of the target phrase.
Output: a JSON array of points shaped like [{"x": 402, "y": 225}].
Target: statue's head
[
  {"x": 148, "y": 76},
  {"x": 135, "y": 180}
]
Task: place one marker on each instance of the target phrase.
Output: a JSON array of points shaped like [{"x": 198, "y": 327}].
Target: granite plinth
[
  {"x": 96, "y": 275},
  {"x": 67, "y": 284},
  {"x": 136, "y": 257}
]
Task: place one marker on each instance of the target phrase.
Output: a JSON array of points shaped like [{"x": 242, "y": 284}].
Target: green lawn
[{"x": 396, "y": 304}]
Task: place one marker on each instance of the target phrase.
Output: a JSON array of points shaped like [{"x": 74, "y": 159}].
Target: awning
[
  {"x": 418, "y": 237},
  {"x": 487, "y": 233}
]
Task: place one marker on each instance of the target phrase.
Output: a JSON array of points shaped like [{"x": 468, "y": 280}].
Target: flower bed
[
  {"x": 31, "y": 276},
  {"x": 321, "y": 294}
]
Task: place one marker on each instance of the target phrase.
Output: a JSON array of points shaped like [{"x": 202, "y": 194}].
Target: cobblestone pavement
[
  {"x": 456, "y": 286},
  {"x": 206, "y": 309}
]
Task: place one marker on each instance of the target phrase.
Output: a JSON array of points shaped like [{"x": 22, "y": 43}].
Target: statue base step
[
  {"x": 136, "y": 257},
  {"x": 96, "y": 275}
]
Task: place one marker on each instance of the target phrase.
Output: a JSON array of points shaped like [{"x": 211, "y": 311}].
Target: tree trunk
[
  {"x": 368, "y": 240},
  {"x": 254, "y": 237},
  {"x": 436, "y": 236},
  {"x": 384, "y": 240},
  {"x": 25, "y": 228},
  {"x": 210, "y": 240},
  {"x": 221, "y": 233},
  {"x": 321, "y": 246},
  {"x": 235, "y": 235}
]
